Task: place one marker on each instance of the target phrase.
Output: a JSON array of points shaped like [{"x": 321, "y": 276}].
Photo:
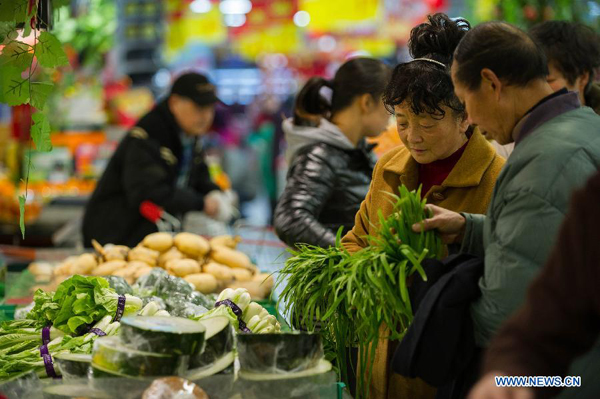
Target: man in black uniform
[{"x": 160, "y": 160}]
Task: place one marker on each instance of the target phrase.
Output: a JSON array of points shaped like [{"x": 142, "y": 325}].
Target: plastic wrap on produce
[
  {"x": 220, "y": 341},
  {"x": 119, "y": 285},
  {"x": 320, "y": 386},
  {"x": 111, "y": 358},
  {"x": 158, "y": 300},
  {"x": 166, "y": 335},
  {"x": 21, "y": 313},
  {"x": 73, "y": 366},
  {"x": 180, "y": 306},
  {"x": 174, "y": 387},
  {"x": 27, "y": 385},
  {"x": 220, "y": 386},
  {"x": 206, "y": 301},
  {"x": 281, "y": 353},
  {"x": 162, "y": 284}
]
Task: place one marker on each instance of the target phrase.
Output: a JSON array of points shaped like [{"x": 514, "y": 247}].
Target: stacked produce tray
[{"x": 217, "y": 387}]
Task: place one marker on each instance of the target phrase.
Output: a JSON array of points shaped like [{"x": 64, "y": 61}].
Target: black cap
[{"x": 196, "y": 87}]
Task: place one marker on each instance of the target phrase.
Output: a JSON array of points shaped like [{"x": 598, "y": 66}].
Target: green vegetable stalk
[
  {"x": 28, "y": 359},
  {"x": 79, "y": 301},
  {"x": 349, "y": 297}
]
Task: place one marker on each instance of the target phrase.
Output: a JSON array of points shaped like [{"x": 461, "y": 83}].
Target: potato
[
  {"x": 171, "y": 254},
  {"x": 108, "y": 268},
  {"x": 148, "y": 256},
  {"x": 110, "y": 251},
  {"x": 183, "y": 267},
  {"x": 242, "y": 274},
  {"x": 225, "y": 241},
  {"x": 264, "y": 279},
  {"x": 37, "y": 268},
  {"x": 221, "y": 272},
  {"x": 203, "y": 282},
  {"x": 255, "y": 289},
  {"x": 142, "y": 271},
  {"x": 230, "y": 257},
  {"x": 63, "y": 269},
  {"x": 160, "y": 242},
  {"x": 84, "y": 264},
  {"x": 115, "y": 254},
  {"x": 192, "y": 245}
]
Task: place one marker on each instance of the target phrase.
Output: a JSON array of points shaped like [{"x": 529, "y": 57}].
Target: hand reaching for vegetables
[{"x": 449, "y": 224}]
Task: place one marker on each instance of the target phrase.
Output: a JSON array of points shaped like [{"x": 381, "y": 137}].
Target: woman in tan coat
[{"x": 455, "y": 165}]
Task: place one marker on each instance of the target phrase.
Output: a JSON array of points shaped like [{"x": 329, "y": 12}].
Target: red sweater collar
[{"x": 434, "y": 173}]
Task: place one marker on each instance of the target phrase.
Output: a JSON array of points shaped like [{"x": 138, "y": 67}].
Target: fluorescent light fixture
[
  {"x": 229, "y": 7},
  {"x": 200, "y": 6},
  {"x": 302, "y": 19},
  {"x": 234, "y": 20}
]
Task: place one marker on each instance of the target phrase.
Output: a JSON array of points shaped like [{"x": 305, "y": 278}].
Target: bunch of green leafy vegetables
[
  {"x": 17, "y": 358},
  {"x": 352, "y": 298},
  {"x": 78, "y": 302}
]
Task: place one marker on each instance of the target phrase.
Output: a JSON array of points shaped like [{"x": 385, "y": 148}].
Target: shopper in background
[
  {"x": 330, "y": 164},
  {"x": 573, "y": 52},
  {"x": 160, "y": 160},
  {"x": 561, "y": 317},
  {"x": 453, "y": 163},
  {"x": 499, "y": 72}
]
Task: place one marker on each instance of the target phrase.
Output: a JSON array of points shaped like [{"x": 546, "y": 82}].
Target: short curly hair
[{"x": 427, "y": 86}]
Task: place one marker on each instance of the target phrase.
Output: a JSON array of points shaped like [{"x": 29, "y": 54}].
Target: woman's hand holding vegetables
[{"x": 449, "y": 224}]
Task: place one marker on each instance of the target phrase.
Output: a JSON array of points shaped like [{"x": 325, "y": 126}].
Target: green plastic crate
[{"x": 7, "y": 312}]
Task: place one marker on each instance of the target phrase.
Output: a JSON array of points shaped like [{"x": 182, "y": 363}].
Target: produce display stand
[{"x": 323, "y": 386}]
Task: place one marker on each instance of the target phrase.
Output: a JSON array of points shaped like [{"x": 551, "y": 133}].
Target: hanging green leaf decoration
[
  {"x": 17, "y": 54},
  {"x": 22, "y": 200},
  {"x": 39, "y": 94},
  {"x": 49, "y": 51},
  {"x": 40, "y": 132},
  {"x": 13, "y": 10},
  {"x": 7, "y": 29},
  {"x": 14, "y": 88}
]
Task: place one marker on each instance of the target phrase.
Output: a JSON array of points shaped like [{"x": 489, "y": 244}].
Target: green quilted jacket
[{"x": 529, "y": 202}]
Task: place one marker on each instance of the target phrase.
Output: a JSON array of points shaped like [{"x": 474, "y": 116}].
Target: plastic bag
[
  {"x": 119, "y": 284},
  {"x": 174, "y": 387},
  {"x": 179, "y": 306},
  {"x": 282, "y": 353},
  {"x": 162, "y": 284}
]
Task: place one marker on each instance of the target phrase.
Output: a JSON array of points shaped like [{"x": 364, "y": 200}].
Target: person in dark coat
[
  {"x": 330, "y": 163},
  {"x": 161, "y": 161},
  {"x": 560, "y": 319},
  {"x": 573, "y": 52}
]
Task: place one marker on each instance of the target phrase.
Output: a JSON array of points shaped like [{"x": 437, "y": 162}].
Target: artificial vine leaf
[
  {"x": 39, "y": 94},
  {"x": 17, "y": 54},
  {"x": 7, "y": 29},
  {"x": 14, "y": 89},
  {"x": 40, "y": 132},
  {"x": 49, "y": 51},
  {"x": 22, "y": 200},
  {"x": 13, "y": 10}
]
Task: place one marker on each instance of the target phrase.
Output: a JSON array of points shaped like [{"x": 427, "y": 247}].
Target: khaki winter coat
[{"x": 468, "y": 188}]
